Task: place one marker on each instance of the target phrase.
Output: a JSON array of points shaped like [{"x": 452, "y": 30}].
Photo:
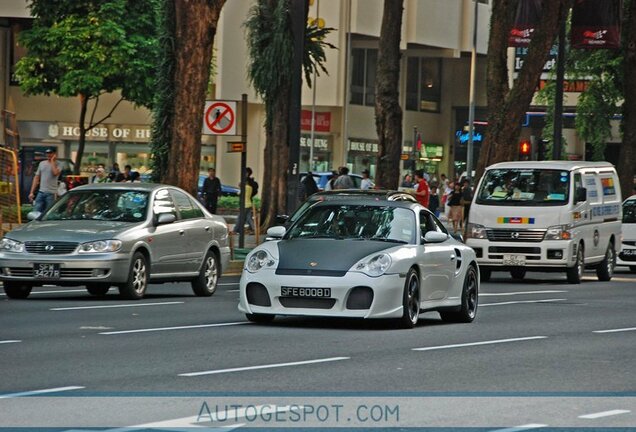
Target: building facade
[{"x": 434, "y": 89}]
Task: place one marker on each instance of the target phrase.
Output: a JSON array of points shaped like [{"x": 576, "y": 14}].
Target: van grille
[{"x": 513, "y": 235}]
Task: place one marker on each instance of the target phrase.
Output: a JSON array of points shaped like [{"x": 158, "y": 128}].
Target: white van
[{"x": 546, "y": 216}]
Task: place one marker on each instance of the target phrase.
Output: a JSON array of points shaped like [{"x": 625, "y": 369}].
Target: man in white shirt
[{"x": 366, "y": 182}]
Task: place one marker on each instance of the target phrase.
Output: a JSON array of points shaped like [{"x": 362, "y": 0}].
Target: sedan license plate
[
  {"x": 46, "y": 271},
  {"x": 305, "y": 292},
  {"x": 514, "y": 260}
]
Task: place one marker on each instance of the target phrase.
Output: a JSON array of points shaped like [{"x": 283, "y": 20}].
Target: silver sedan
[{"x": 117, "y": 234}]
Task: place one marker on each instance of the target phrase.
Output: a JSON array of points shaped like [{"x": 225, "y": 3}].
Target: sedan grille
[
  {"x": 50, "y": 248},
  {"x": 512, "y": 235},
  {"x": 65, "y": 273}
]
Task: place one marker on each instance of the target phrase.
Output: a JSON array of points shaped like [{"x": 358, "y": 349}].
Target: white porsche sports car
[{"x": 361, "y": 258}]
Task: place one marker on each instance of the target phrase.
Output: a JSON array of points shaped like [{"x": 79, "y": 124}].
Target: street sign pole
[{"x": 243, "y": 168}]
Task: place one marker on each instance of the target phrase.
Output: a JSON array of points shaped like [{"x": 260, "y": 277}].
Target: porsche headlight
[
  {"x": 558, "y": 232},
  {"x": 8, "y": 245},
  {"x": 258, "y": 260},
  {"x": 100, "y": 246},
  {"x": 476, "y": 231},
  {"x": 375, "y": 266}
]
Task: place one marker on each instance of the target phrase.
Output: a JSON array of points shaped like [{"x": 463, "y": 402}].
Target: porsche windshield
[
  {"x": 360, "y": 222},
  {"x": 524, "y": 187},
  {"x": 106, "y": 205}
]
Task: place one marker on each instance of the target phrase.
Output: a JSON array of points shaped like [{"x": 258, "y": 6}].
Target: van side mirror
[{"x": 581, "y": 195}]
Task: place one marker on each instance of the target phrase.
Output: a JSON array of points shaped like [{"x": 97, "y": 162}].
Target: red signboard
[
  {"x": 323, "y": 121},
  {"x": 528, "y": 15},
  {"x": 596, "y": 24}
]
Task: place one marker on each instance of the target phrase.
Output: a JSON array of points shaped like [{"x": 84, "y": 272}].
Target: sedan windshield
[
  {"x": 105, "y": 205},
  {"x": 629, "y": 211},
  {"x": 524, "y": 187},
  {"x": 361, "y": 222}
]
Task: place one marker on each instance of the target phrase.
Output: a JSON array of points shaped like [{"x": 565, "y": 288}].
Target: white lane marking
[
  {"x": 37, "y": 392},
  {"x": 146, "y": 330},
  {"x": 228, "y": 283},
  {"x": 52, "y": 292},
  {"x": 522, "y": 427},
  {"x": 521, "y": 302},
  {"x": 614, "y": 279},
  {"x": 497, "y": 341},
  {"x": 604, "y": 414},
  {"x": 615, "y": 330},
  {"x": 9, "y": 341},
  {"x": 267, "y": 366},
  {"x": 483, "y": 294},
  {"x": 233, "y": 290},
  {"x": 116, "y": 306}
]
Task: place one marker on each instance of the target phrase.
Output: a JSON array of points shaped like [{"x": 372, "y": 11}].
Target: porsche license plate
[
  {"x": 629, "y": 252},
  {"x": 305, "y": 292},
  {"x": 514, "y": 260},
  {"x": 46, "y": 271}
]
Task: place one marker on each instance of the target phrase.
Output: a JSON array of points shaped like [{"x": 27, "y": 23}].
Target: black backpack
[{"x": 254, "y": 185}]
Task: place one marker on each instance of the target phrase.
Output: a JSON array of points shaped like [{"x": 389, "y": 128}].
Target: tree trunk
[
  {"x": 388, "y": 113},
  {"x": 507, "y": 107},
  {"x": 627, "y": 162},
  {"x": 276, "y": 158},
  {"x": 195, "y": 28},
  {"x": 82, "y": 134}
]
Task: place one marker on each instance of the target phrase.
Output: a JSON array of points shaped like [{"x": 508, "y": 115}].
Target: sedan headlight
[
  {"x": 476, "y": 231},
  {"x": 375, "y": 266},
  {"x": 100, "y": 246},
  {"x": 258, "y": 260},
  {"x": 558, "y": 232},
  {"x": 8, "y": 245}
]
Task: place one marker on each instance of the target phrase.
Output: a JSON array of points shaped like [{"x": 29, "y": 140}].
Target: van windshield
[{"x": 524, "y": 187}]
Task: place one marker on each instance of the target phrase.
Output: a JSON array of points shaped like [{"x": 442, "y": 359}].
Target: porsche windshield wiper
[{"x": 388, "y": 240}]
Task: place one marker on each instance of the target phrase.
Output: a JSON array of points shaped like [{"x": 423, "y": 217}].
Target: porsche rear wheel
[
  {"x": 470, "y": 300},
  {"x": 410, "y": 301}
]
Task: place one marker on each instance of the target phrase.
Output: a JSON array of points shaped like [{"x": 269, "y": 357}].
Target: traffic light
[{"x": 525, "y": 150}]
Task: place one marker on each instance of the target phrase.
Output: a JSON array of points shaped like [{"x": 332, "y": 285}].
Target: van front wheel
[
  {"x": 575, "y": 274},
  {"x": 605, "y": 269}
]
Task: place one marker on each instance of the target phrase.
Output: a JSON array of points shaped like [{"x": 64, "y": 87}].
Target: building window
[
  {"x": 364, "y": 62},
  {"x": 423, "y": 84}
]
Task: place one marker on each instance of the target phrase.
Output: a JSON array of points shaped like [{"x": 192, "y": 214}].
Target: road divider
[{"x": 9, "y": 341}]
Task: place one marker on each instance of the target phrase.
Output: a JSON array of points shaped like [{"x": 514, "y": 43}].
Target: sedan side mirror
[
  {"x": 165, "y": 218},
  {"x": 33, "y": 215},
  {"x": 435, "y": 237},
  {"x": 581, "y": 195}
]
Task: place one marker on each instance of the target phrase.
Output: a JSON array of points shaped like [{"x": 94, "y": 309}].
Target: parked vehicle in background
[
  {"x": 627, "y": 255},
  {"x": 122, "y": 234},
  {"x": 361, "y": 258},
  {"x": 546, "y": 216}
]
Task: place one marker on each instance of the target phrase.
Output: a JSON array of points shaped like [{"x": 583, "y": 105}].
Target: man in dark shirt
[{"x": 211, "y": 190}]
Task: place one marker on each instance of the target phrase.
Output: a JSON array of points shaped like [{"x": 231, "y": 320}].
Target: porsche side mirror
[
  {"x": 276, "y": 232},
  {"x": 435, "y": 237}
]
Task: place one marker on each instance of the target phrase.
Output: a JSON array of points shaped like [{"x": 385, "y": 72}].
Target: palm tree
[{"x": 270, "y": 46}]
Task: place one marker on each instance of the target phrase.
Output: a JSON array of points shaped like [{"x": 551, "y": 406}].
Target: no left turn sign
[{"x": 219, "y": 118}]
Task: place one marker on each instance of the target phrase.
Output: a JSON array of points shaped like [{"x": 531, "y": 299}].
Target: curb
[{"x": 235, "y": 268}]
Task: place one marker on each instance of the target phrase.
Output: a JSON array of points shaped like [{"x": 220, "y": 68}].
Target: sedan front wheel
[{"x": 135, "y": 286}]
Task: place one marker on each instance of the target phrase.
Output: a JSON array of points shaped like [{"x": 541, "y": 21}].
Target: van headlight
[
  {"x": 476, "y": 231},
  {"x": 100, "y": 246},
  {"x": 558, "y": 232},
  {"x": 8, "y": 245},
  {"x": 375, "y": 266},
  {"x": 258, "y": 260}
]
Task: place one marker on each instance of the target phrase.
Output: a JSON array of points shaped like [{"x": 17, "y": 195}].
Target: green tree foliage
[
  {"x": 270, "y": 48},
  {"x": 86, "y": 49}
]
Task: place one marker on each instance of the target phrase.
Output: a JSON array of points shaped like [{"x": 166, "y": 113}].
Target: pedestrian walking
[
  {"x": 246, "y": 216},
  {"x": 422, "y": 191},
  {"x": 366, "y": 182},
  {"x": 344, "y": 180},
  {"x": 467, "y": 199},
  {"x": 308, "y": 187},
  {"x": 211, "y": 190},
  {"x": 455, "y": 203},
  {"x": 46, "y": 179},
  {"x": 433, "y": 203}
]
